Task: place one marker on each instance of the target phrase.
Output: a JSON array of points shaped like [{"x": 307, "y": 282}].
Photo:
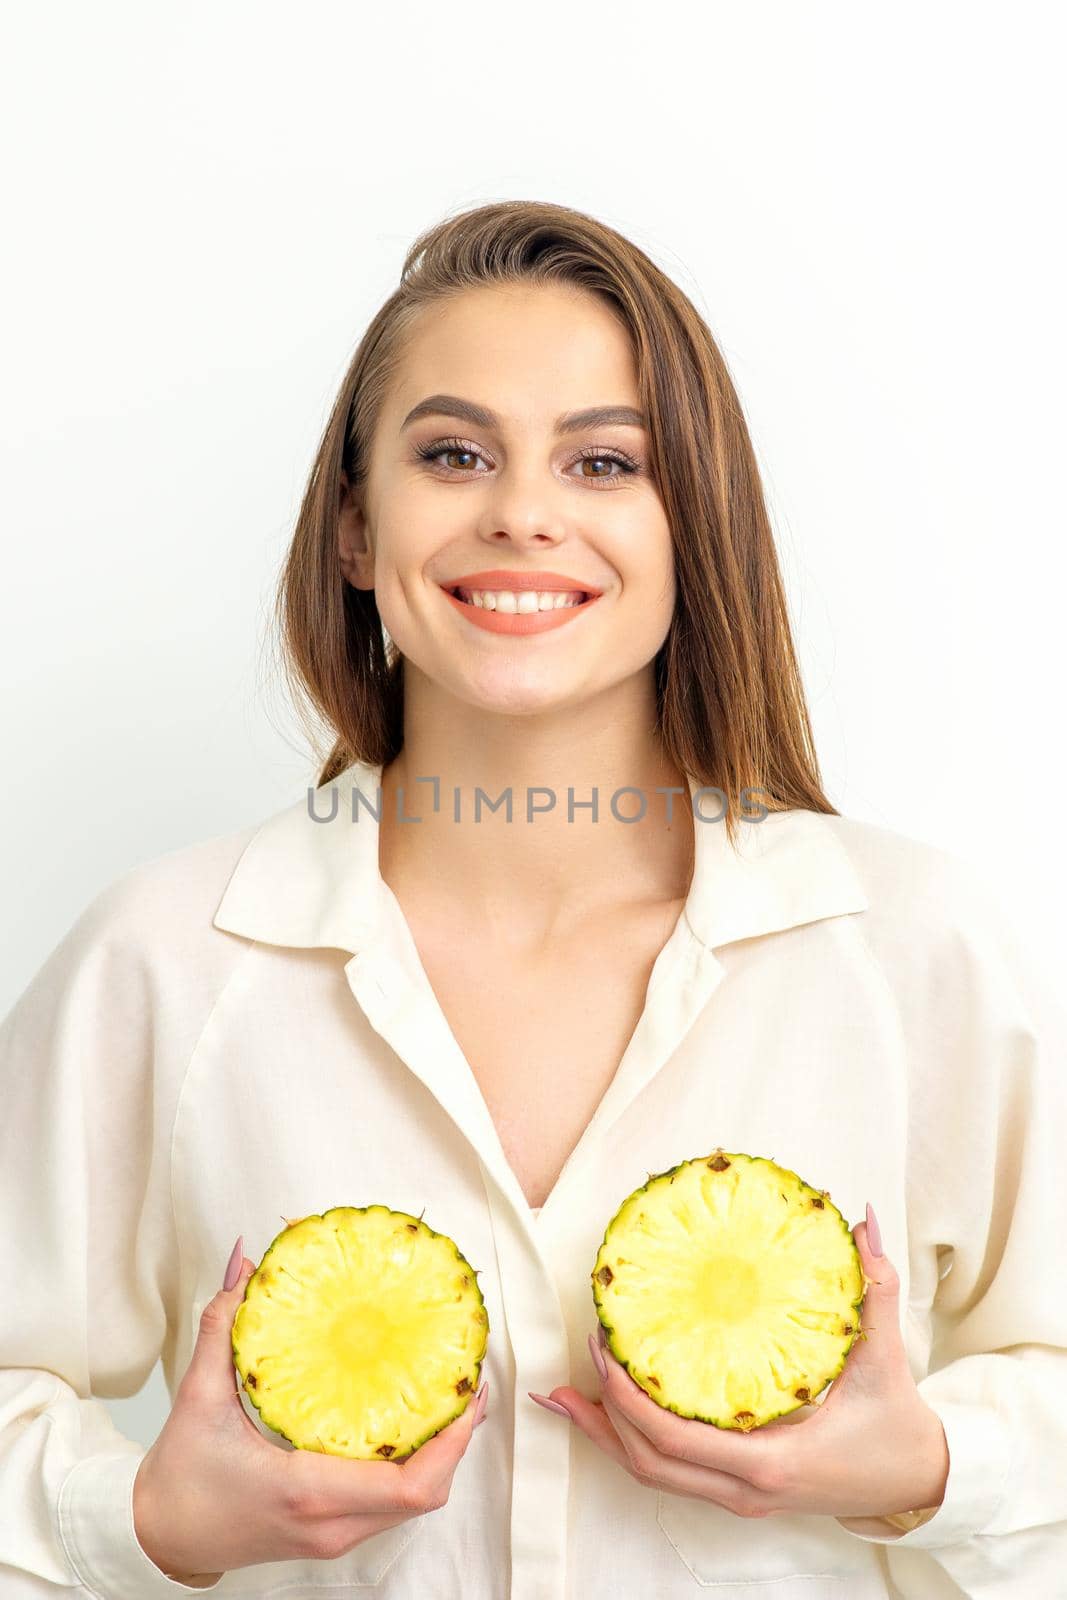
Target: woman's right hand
[{"x": 213, "y": 1493}]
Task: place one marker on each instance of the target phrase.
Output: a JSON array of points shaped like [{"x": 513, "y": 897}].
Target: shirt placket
[
  {"x": 537, "y": 1334},
  {"x": 399, "y": 1002}
]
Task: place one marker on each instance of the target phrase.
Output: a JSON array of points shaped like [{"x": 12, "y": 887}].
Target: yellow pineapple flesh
[
  {"x": 729, "y": 1289},
  {"x": 361, "y": 1333}
]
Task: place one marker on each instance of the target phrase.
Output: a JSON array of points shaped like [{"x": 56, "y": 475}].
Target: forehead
[{"x": 523, "y": 350}]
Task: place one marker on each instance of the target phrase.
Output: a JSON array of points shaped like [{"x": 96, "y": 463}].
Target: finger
[
  {"x": 725, "y": 1450},
  {"x": 660, "y": 1471},
  {"x": 209, "y": 1378},
  {"x": 341, "y": 1487},
  {"x": 877, "y": 1367},
  {"x": 591, "y": 1419},
  {"x": 626, "y": 1445}
]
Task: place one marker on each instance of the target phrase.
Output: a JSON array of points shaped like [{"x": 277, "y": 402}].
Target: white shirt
[{"x": 241, "y": 1031}]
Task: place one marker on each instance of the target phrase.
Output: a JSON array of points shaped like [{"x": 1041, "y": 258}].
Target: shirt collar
[{"x": 308, "y": 883}]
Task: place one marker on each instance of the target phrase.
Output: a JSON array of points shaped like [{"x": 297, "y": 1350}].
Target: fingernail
[
  {"x": 549, "y": 1405},
  {"x": 481, "y": 1401},
  {"x": 598, "y": 1359},
  {"x": 233, "y": 1269},
  {"x": 874, "y": 1233}
]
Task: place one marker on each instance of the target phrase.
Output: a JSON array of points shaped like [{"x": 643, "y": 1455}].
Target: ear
[{"x": 353, "y": 550}]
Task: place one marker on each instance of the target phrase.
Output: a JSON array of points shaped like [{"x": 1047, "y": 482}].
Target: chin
[{"x": 515, "y": 698}]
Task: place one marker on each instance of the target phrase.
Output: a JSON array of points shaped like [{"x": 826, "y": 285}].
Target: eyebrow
[{"x": 450, "y": 405}]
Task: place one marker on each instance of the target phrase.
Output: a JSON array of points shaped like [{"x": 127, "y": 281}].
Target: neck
[{"x": 552, "y": 866}]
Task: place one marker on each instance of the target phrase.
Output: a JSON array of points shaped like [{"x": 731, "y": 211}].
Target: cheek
[
  {"x": 640, "y": 539},
  {"x": 403, "y": 549},
  {"x": 649, "y": 573},
  {"x": 661, "y": 597}
]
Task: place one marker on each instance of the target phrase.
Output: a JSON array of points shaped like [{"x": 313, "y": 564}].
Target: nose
[
  {"x": 524, "y": 509},
  {"x": 533, "y": 538}
]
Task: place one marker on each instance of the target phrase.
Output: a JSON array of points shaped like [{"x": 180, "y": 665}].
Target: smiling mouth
[{"x": 560, "y": 600}]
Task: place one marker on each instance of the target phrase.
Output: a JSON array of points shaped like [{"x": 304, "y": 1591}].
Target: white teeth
[{"x": 522, "y": 600}]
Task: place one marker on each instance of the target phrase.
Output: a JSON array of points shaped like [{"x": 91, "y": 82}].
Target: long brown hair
[{"x": 731, "y": 705}]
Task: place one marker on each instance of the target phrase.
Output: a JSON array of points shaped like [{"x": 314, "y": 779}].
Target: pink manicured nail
[
  {"x": 481, "y": 1401},
  {"x": 874, "y": 1233},
  {"x": 549, "y": 1405},
  {"x": 233, "y": 1269},
  {"x": 598, "y": 1359}
]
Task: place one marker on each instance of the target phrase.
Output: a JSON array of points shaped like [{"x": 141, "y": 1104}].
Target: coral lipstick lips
[
  {"x": 519, "y": 621},
  {"x": 501, "y": 578}
]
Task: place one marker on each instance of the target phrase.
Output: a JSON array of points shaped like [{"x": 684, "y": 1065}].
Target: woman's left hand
[{"x": 871, "y": 1448}]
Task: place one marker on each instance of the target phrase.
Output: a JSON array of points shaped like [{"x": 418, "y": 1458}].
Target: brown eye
[
  {"x": 449, "y": 449},
  {"x": 607, "y": 458}
]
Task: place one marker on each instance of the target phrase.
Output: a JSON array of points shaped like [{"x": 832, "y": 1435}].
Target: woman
[{"x": 399, "y": 994}]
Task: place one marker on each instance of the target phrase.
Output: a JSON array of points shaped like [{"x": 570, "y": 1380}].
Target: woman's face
[{"x": 517, "y": 492}]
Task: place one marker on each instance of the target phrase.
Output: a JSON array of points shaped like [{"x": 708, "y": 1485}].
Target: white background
[{"x": 207, "y": 204}]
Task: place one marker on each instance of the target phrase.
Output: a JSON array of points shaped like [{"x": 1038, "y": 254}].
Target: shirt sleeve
[
  {"x": 88, "y": 1255},
  {"x": 987, "y": 1193}
]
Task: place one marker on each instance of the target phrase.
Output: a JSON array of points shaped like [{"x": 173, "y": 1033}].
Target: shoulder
[
  {"x": 935, "y": 925},
  {"x": 136, "y": 973},
  {"x": 910, "y": 883},
  {"x": 161, "y": 910}
]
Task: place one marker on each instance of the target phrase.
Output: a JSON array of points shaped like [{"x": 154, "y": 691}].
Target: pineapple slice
[
  {"x": 361, "y": 1333},
  {"x": 729, "y": 1289}
]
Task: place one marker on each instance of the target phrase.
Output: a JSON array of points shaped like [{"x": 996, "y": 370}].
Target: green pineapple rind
[
  {"x": 609, "y": 1331},
  {"x": 243, "y": 1367}
]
